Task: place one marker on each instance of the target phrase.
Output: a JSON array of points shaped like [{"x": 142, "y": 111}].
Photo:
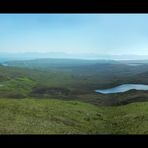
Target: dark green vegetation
[
  {"x": 52, "y": 96},
  {"x": 72, "y": 80}
]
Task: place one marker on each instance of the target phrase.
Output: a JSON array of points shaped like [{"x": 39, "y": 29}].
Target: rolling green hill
[
  {"x": 35, "y": 100},
  {"x": 33, "y": 116},
  {"x": 128, "y": 119},
  {"x": 76, "y": 82},
  {"x": 52, "y": 116}
]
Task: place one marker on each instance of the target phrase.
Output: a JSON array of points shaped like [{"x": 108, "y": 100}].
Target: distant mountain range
[{"x": 36, "y": 55}]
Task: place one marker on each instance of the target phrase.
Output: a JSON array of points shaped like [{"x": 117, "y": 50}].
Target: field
[
  {"x": 50, "y": 96},
  {"x": 51, "y": 116},
  {"x": 31, "y": 116}
]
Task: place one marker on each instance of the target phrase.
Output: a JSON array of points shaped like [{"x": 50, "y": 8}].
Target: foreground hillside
[
  {"x": 75, "y": 108},
  {"x": 128, "y": 119},
  {"x": 33, "y": 116},
  {"x": 51, "y": 116}
]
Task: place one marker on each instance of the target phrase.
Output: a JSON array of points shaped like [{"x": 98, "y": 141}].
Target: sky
[{"x": 114, "y": 34}]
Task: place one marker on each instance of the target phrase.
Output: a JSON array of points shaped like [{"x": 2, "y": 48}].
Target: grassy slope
[
  {"x": 33, "y": 116},
  {"x": 129, "y": 119},
  {"x": 50, "y": 116}
]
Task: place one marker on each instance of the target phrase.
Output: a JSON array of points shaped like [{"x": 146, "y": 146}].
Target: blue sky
[{"x": 74, "y": 33}]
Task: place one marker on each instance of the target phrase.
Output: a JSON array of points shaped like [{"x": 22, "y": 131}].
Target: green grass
[
  {"x": 33, "y": 116},
  {"x": 25, "y": 112},
  {"x": 79, "y": 81},
  {"x": 129, "y": 119},
  {"x": 51, "y": 116}
]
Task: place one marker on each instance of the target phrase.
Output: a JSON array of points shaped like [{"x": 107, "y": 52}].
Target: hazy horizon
[
  {"x": 105, "y": 34},
  {"x": 4, "y": 56}
]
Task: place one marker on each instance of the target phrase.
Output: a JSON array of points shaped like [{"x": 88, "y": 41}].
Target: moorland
[{"x": 57, "y": 96}]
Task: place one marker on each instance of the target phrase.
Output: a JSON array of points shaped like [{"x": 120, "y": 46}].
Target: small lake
[{"x": 122, "y": 88}]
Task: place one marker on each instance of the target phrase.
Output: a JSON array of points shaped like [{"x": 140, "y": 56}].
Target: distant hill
[
  {"x": 134, "y": 61},
  {"x": 52, "y": 62},
  {"x": 4, "y": 56}
]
